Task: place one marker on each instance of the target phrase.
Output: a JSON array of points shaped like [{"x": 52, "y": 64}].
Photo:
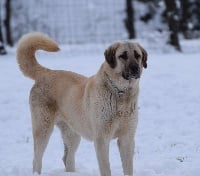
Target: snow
[{"x": 167, "y": 138}]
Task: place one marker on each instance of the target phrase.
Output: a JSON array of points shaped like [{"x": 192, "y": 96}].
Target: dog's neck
[{"x": 113, "y": 86}]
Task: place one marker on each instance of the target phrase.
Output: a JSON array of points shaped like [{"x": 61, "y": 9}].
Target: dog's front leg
[
  {"x": 126, "y": 149},
  {"x": 102, "y": 152}
]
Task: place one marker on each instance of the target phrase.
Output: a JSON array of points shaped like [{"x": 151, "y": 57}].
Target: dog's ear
[
  {"x": 144, "y": 56},
  {"x": 110, "y": 54}
]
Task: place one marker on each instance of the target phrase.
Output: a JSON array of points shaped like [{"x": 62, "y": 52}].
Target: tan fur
[
  {"x": 28, "y": 45},
  {"x": 99, "y": 108}
]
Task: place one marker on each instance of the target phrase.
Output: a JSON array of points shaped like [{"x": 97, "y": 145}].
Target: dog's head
[{"x": 127, "y": 59}]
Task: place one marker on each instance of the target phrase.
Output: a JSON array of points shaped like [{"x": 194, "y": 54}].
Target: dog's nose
[{"x": 134, "y": 70}]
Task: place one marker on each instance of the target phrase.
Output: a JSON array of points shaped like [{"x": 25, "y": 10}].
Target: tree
[
  {"x": 196, "y": 15},
  {"x": 185, "y": 18},
  {"x": 173, "y": 23},
  {"x": 129, "y": 21},
  {"x": 2, "y": 48},
  {"x": 7, "y": 23}
]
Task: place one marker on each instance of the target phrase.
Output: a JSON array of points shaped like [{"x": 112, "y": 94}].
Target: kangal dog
[{"x": 99, "y": 108}]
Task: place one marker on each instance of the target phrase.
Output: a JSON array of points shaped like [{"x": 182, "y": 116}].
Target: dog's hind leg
[
  {"x": 71, "y": 142},
  {"x": 42, "y": 126}
]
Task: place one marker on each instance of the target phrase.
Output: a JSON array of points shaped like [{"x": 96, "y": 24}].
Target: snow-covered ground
[{"x": 167, "y": 139}]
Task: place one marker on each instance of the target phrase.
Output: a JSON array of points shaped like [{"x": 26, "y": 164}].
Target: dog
[{"x": 99, "y": 108}]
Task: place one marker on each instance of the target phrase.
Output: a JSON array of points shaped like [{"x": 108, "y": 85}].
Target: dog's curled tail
[{"x": 26, "y": 49}]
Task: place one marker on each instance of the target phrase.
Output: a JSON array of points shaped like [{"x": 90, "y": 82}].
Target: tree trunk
[
  {"x": 185, "y": 16},
  {"x": 7, "y": 23},
  {"x": 129, "y": 21},
  {"x": 2, "y": 48},
  {"x": 197, "y": 15},
  {"x": 173, "y": 23}
]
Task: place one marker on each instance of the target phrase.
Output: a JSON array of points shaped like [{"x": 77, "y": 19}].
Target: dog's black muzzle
[{"x": 132, "y": 72}]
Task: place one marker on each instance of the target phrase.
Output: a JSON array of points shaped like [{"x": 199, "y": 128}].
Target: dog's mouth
[{"x": 129, "y": 77}]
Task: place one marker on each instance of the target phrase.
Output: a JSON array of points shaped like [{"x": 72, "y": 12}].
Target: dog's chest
[
  {"x": 120, "y": 115},
  {"x": 118, "y": 107}
]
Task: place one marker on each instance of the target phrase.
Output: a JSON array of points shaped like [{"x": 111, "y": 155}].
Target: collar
[{"x": 119, "y": 91}]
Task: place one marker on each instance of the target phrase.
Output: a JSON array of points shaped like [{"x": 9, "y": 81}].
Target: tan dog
[{"x": 99, "y": 108}]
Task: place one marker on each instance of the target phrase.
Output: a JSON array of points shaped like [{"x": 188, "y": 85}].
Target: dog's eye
[
  {"x": 124, "y": 55},
  {"x": 137, "y": 56}
]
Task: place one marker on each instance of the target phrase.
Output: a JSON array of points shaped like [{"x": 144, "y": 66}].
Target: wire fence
[{"x": 74, "y": 21}]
